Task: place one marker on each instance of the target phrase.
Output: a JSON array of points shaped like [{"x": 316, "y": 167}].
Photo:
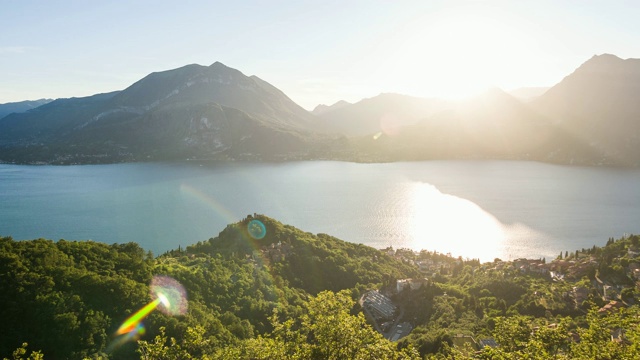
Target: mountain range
[
  {"x": 215, "y": 112},
  {"x": 191, "y": 112},
  {"x": 598, "y": 104},
  {"x": 385, "y": 112},
  {"x": 322, "y": 108},
  {"x": 22, "y": 106}
]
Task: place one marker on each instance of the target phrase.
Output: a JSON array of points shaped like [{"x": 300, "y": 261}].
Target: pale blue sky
[{"x": 315, "y": 51}]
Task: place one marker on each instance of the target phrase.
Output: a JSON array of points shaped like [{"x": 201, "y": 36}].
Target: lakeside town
[
  {"x": 268, "y": 283},
  {"x": 608, "y": 278},
  {"x": 572, "y": 284}
]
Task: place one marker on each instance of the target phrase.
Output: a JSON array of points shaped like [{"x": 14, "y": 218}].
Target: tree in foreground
[
  {"x": 613, "y": 335},
  {"x": 326, "y": 331},
  {"x": 21, "y": 354}
]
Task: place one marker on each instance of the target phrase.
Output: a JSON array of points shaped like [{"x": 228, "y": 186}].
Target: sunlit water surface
[{"x": 483, "y": 209}]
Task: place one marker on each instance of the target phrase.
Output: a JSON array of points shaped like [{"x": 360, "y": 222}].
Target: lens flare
[
  {"x": 256, "y": 229},
  {"x": 163, "y": 300},
  {"x": 169, "y": 297},
  {"x": 134, "y": 334},
  {"x": 134, "y": 320}
]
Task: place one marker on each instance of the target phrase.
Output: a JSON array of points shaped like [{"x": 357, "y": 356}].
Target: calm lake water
[{"x": 475, "y": 209}]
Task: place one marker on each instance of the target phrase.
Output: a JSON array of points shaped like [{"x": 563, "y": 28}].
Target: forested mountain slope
[
  {"x": 69, "y": 298},
  {"x": 265, "y": 290}
]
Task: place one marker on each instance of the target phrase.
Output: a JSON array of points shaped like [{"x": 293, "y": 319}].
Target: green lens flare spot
[{"x": 256, "y": 229}]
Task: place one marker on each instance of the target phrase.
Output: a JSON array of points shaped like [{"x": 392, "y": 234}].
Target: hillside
[
  {"x": 528, "y": 93},
  {"x": 598, "y": 104},
  {"x": 213, "y": 112},
  {"x": 310, "y": 262},
  {"x": 322, "y": 108},
  {"x": 265, "y": 290},
  {"x": 591, "y": 117},
  {"x": 21, "y": 106},
  {"x": 383, "y": 113},
  {"x": 68, "y": 298},
  {"x": 494, "y": 125},
  {"x": 218, "y": 113}
]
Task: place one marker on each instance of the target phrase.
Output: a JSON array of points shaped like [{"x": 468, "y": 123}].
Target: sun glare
[
  {"x": 462, "y": 226},
  {"x": 461, "y": 54}
]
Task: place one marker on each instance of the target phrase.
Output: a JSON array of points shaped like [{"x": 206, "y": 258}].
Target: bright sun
[{"x": 460, "y": 54}]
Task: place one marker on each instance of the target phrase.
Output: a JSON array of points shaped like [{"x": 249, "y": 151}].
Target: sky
[{"x": 315, "y": 51}]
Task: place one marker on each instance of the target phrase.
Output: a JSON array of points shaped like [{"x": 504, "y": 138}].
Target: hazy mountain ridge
[
  {"x": 385, "y": 112},
  {"x": 21, "y": 106},
  {"x": 322, "y": 108},
  {"x": 189, "y": 112},
  {"x": 591, "y": 117},
  {"x": 52, "y": 120},
  {"x": 453, "y": 129},
  {"x": 598, "y": 104},
  {"x": 528, "y": 93},
  {"x": 492, "y": 125},
  {"x": 216, "y": 83},
  {"x": 216, "y": 112}
]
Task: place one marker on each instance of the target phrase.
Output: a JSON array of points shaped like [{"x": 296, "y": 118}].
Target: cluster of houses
[
  {"x": 276, "y": 252},
  {"x": 428, "y": 266},
  {"x": 571, "y": 269},
  {"x": 411, "y": 284},
  {"x": 556, "y": 269},
  {"x": 575, "y": 269},
  {"x": 431, "y": 266}
]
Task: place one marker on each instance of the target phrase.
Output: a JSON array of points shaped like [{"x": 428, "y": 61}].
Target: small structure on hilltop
[{"x": 413, "y": 284}]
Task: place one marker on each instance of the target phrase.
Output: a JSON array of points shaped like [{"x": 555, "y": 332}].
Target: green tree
[
  {"x": 193, "y": 346},
  {"x": 326, "y": 331},
  {"x": 512, "y": 333},
  {"x": 21, "y": 352}
]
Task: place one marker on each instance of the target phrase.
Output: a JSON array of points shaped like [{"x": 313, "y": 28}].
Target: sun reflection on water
[{"x": 440, "y": 220}]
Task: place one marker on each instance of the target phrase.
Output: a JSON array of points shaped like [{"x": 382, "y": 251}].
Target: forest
[{"x": 265, "y": 290}]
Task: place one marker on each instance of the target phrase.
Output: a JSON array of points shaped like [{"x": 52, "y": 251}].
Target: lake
[{"x": 475, "y": 209}]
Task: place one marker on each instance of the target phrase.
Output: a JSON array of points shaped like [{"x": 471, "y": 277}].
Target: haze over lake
[{"x": 475, "y": 209}]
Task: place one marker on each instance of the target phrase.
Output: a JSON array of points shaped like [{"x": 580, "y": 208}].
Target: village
[
  {"x": 570, "y": 286},
  {"x": 608, "y": 278}
]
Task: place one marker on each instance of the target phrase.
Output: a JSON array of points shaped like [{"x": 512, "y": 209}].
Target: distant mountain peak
[
  {"x": 322, "y": 108},
  {"x": 191, "y": 111},
  {"x": 610, "y": 64},
  {"x": 599, "y": 102},
  {"x": 218, "y": 64},
  {"x": 605, "y": 56},
  {"x": 21, "y": 106}
]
